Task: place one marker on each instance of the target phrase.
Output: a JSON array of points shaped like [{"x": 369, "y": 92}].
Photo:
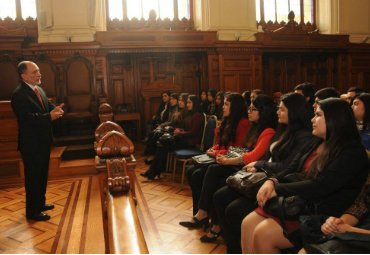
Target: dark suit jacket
[{"x": 34, "y": 122}]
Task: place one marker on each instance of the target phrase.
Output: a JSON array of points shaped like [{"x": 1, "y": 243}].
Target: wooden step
[
  {"x": 79, "y": 151},
  {"x": 74, "y": 140},
  {"x": 74, "y": 167}
]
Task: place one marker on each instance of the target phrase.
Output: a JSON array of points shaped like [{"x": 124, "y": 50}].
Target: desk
[{"x": 127, "y": 117}]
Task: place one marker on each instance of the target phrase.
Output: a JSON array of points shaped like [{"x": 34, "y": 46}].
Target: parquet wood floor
[
  {"x": 162, "y": 204},
  {"x": 73, "y": 225},
  {"x": 76, "y": 225}
]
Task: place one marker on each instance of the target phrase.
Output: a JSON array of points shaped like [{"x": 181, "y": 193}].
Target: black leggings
[{"x": 231, "y": 208}]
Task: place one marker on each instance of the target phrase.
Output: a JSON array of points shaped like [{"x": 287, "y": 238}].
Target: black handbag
[
  {"x": 290, "y": 208},
  {"x": 167, "y": 139},
  {"x": 203, "y": 160},
  {"x": 247, "y": 183}
]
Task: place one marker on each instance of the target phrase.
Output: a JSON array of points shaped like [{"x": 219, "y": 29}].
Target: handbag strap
[{"x": 281, "y": 216}]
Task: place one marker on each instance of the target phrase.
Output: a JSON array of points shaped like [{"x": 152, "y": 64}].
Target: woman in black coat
[{"x": 332, "y": 178}]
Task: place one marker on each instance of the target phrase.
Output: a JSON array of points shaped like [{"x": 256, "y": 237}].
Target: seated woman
[
  {"x": 151, "y": 144},
  {"x": 231, "y": 132},
  {"x": 361, "y": 110},
  {"x": 262, "y": 115},
  {"x": 161, "y": 115},
  {"x": 219, "y": 102},
  {"x": 294, "y": 131},
  {"x": 204, "y": 100},
  {"x": 211, "y": 102},
  {"x": 355, "y": 219},
  {"x": 188, "y": 136},
  {"x": 332, "y": 181}
]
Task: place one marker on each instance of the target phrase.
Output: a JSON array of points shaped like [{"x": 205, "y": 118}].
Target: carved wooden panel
[
  {"x": 113, "y": 144},
  {"x": 360, "y": 71},
  {"x": 8, "y": 76},
  {"x": 213, "y": 72},
  {"x": 49, "y": 79},
  {"x": 79, "y": 86},
  {"x": 106, "y": 127}
]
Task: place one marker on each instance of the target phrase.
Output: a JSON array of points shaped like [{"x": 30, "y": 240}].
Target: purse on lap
[
  {"x": 203, "y": 160},
  {"x": 247, "y": 183},
  {"x": 234, "y": 152}
]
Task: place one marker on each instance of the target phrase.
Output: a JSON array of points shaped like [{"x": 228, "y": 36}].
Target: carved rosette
[
  {"x": 114, "y": 144},
  {"x": 118, "y": 180}
]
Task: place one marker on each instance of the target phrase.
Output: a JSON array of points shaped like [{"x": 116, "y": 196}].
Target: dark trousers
[
  {"x": 151, "y": 144},
  {"x": 160, "y": 157},
  {"x": 195, "y": 177},
  {"x": 214, "y": 179},
  {"x": 36, "y": 168},
  {"x": 231, "y": 208}
]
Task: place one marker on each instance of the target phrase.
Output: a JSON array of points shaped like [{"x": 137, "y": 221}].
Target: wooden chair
[
  {"x": 105, "y": 113},
  {"x": 104, "y": 128}
]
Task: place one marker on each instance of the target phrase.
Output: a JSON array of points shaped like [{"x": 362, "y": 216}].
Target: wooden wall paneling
[
  {"x": 360, "y": 71},
  {"x": 187, "y": 66},
  {"x": 257, "y": 72},
  {"x": 213, "y": 72},
  {"x": 8, "y": 76},
  {"x": 79, "y": 80},
  {"x": 116, "y": 81},
  {"x": 101, "y": 77},
  {"x": 49, "y": 78}
]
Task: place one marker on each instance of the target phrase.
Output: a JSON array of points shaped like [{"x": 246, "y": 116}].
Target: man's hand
[{"x": 57, "y": 112}]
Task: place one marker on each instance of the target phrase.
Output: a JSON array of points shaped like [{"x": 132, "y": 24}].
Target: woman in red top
[
  {"x": 262, "y": 114},
  {"x": 232, "y": 131}
]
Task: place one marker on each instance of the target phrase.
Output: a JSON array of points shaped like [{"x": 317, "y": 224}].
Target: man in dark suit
[{"x": 34, "y": 113}]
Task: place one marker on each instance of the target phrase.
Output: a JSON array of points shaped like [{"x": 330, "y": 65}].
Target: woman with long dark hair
[
  {"x": 151, "y": 144},
  {"x": 232, "y": 131},
  {"x": 204, "y": 100},
  {"x": 188, "y": 135},
  {"x": 161, "y": 115},
  {"x": 262, "y": 115},
  {"x": 361, "y": 110},
  {"x": 211, "y": 102},
  {"x": 294, "y": 131},
  {"x": 333, "y": 170},
  {"x": 219, "y": 102}
]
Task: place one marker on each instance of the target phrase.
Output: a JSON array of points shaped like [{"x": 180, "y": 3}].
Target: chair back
[
  {"x": 209, "y": 136},
  {"x": 201, "y": 145}
]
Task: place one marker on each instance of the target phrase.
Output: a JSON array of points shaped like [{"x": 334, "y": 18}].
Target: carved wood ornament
[
  {"x": 118, "y": 180},
  {"x": 113, "y": 144}
]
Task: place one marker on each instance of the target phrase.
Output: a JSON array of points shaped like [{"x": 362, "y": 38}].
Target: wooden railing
[{"x": 122, "y": 229}]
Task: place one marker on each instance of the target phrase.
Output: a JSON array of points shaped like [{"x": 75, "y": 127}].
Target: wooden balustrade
[
  {"x": 124, "y": 230},
  {"x": 115, "y": 165}
]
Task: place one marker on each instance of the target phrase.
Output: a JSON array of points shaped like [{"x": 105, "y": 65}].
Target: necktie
[{"x": 39, "y": 96}]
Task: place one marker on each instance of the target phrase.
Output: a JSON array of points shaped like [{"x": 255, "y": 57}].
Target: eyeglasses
[{"x": 251, "y": 109}]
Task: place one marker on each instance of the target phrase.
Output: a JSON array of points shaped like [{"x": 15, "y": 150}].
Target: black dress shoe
[
  {"x": 197, "y": 224},
  {"x": 47, "y": 207},
  {"x": 206, "y": 239},
  {"x": 38, "y": 216},
  {"x": 148, "y": 162}
]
